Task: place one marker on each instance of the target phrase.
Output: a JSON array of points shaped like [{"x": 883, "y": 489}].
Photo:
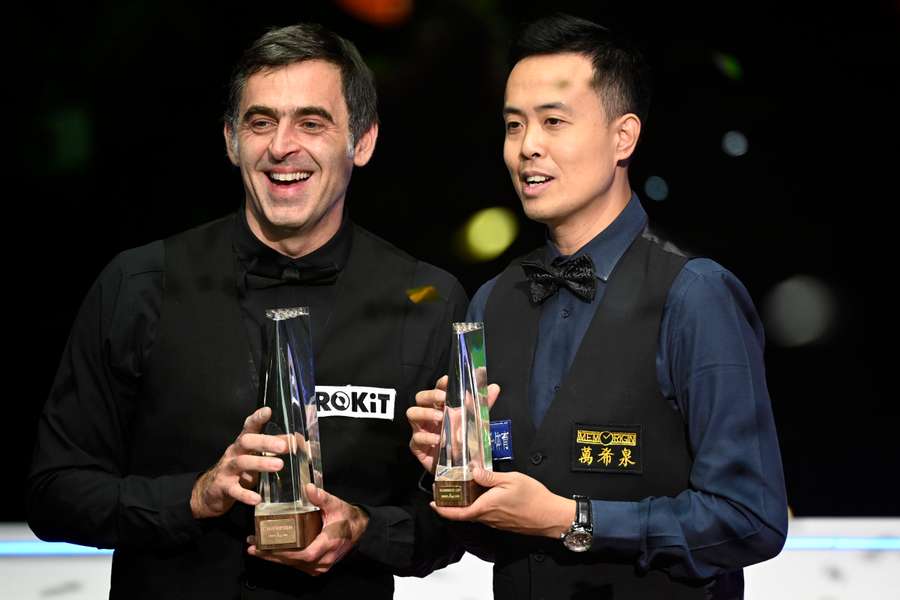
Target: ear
[
  {"x": 627, "y": 131},
  {"x": 230, "y": 143},
  {"x": 365, "y": 146}
]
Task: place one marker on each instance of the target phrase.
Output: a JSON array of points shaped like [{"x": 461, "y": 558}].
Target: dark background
[{"x": 114, "y": 139}]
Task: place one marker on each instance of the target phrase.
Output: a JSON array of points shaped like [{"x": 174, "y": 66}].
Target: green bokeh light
[
  {"x": 729, "y": 65},
  {"x": 70, "y": 132}
]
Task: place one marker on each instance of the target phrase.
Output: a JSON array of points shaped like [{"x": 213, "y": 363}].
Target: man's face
[
  {"x": 560, "y": 150},
  {"x": 293, "y": 147}
]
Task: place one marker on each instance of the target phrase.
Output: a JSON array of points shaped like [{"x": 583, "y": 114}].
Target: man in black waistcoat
[
  {"x": 635, "y": 454},
  {"x": 145, "y": 444}
]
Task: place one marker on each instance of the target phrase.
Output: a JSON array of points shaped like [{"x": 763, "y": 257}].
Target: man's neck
[
  {"x": 296, "y": 243},
  {"x": 570, "y": 234}
]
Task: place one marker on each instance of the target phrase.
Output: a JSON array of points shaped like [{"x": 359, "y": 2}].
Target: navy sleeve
[{"x": 710, "y": 364}]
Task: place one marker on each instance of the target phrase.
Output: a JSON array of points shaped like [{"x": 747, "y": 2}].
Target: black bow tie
[
  {"x": 262, "y": 276},
  {"x": 576, "y": 274}
]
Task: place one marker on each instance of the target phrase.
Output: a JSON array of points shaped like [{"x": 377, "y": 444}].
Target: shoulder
[
  {"x": 366, "y": 241},
  {"x": 134, "y": 274},
  {"x": 702, "y": 281},
  {"x": 709, "y": 306},
  {"x": 122, "y": 304},
  {"x": 148, "y": 262},
  {"x": 662, "y": 245},
  {"x": 133, "y": 267},
  {"x": 217, "y": 226},
  {"x": 424, "y": 275},
  {"x": 134, "y": 280},
  {"x": 151, "y": 258}
]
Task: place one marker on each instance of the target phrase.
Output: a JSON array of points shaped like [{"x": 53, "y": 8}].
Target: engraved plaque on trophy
[
  {"x": 286, "y": 518},
  {"x": 465, "y": 430}
]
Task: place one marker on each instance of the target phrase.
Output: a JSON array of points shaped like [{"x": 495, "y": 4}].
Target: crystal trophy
[
  {"x": 286, "y": 518},
  {"x": 465, "y": 431}
]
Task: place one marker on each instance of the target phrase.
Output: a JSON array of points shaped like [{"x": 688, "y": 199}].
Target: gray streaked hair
[{"x": 283, "y": 46}]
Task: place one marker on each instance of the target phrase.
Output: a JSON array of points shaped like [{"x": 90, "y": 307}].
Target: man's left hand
[
  {"x": 515, "y": 502},
  {"x": 342, "y": 526}
]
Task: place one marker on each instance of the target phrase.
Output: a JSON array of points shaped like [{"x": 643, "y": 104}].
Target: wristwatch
[{"x": 579, "y": 536}]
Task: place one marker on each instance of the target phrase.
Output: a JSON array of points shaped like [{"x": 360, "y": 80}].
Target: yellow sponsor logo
[{"x": 607, "y": 438}]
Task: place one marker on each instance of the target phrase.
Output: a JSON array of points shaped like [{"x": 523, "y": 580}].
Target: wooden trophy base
[
  {"x": 456, "y": 493},
  {"x": 291, "y": 530}
]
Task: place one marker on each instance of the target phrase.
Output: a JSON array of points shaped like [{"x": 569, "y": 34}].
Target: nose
[
  {"x": 285, "y": 141},
  {"x": 532, "y": 143}
]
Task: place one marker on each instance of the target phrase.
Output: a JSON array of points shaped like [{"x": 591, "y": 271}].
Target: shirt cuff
[
  {"x": 616, "y": 527},
  {"x": 178, "y": 522},
  {"x": 389, "y": 537}
]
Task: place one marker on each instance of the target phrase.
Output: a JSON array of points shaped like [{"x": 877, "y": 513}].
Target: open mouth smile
[{"x": 286, "y": 179}]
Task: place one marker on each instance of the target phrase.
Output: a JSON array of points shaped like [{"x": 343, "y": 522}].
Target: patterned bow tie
[
  {"x": 262, "y": 276},
  {"x": 576, "y": 274}
]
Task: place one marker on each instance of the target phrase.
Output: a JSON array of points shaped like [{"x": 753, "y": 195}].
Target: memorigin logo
[{"x": 354, "y": 401}]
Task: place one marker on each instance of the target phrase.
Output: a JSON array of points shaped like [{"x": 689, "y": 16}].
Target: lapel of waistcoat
[
  {"x": 596, "y": 356},
  {"x": 218, "y": 274},
  {"x": 519, "y": 330},
  {"x": 364, "y": 330}
]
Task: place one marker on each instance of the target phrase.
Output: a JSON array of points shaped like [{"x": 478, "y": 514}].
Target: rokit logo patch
[{"x": 355, "y": 401}]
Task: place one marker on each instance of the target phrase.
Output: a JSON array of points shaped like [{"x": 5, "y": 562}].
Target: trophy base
[
  {"x": 456, "y": 493},
  {"x": 291, "y": 530}
]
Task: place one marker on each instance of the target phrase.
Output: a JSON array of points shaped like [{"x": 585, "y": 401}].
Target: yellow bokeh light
[{"x": 489, "y": 233}]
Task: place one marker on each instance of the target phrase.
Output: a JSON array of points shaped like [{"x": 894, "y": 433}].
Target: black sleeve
[
  {"x": 411, "y": 539},
  {"x": 79, "y": 489}
]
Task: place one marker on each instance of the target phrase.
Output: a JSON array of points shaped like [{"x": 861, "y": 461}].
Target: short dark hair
[
  {"x": 621, "y": 76},
  {"x": 280, "y": 47}
]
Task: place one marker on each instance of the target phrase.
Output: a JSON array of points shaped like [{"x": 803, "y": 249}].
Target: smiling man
[
  {"x": 145, "y": 444},
  {"x": 643, "y": 461}
]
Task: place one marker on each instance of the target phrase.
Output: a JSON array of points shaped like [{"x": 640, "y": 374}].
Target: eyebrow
[
  {"x": 553, "y": 106},
  {"x": 299, "y": 112},
  {"x": 318, "y": 111},
  {"x": 512, "y": 110}
]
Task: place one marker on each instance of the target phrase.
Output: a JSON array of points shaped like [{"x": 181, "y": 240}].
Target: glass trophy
[
  {"x": 286, "y": 518},
  {"x": 465, "y": 431}
]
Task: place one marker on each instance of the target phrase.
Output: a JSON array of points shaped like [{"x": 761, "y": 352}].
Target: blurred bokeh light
[
  {"x": 656, "y": 188},
  {"x": 799, "y": 311},
  {"x": 728, "y": 65},
  {"x": 488, "y": 233},
  {"x": 735, "y": 143},
  {"x": 384, "y": 13}
]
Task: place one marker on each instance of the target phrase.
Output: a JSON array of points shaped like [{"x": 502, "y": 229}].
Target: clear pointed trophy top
[
  {"x": 285, "y": 518},
  {"x": 465, "y": 430}
]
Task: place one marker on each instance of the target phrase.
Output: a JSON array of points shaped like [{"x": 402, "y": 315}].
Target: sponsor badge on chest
[
  {"x": 607, "y": 448},
  {"x": 355, "y": 401}
]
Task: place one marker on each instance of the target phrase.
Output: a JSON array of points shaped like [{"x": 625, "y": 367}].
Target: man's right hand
[
  {"x": 237, "y": 471},
  {"x": 426, "y": 416}
]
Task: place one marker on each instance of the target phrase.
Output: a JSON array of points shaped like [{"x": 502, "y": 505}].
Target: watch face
[{"x": 578, "y": 541}]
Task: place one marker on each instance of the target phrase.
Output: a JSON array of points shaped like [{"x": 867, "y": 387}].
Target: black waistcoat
[
  {"x": 611, "y": 386},
  {"x": 200, "y": 385}
]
